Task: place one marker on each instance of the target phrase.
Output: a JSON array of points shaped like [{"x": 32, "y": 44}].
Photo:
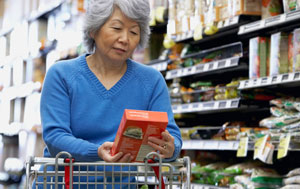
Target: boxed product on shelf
[
  {"x": 135, "y": 128},
  {"x": 291, "y": 52},
  {"x": 244, "y": 7},
  {"x": 271, "y": 8},
  {"x": 291, "y": 5},
  {"x": 279, "y": 54},
  {"x": 258, "y": 57},
  {"x": 296, "y": 50}
]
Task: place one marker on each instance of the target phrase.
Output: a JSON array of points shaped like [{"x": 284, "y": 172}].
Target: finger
[
  {"x": 167, "y": 136},
  {"x": 125, "y": 158},
  {"x": 114, "y": 158},
  {"x": 156, "y": 147},
  {"x": 156, "y": 141}
]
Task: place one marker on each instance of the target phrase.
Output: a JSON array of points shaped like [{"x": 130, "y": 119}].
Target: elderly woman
[{"x": 83, "y": 99}]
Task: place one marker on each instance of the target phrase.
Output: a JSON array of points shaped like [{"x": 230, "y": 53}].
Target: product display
[{"x": 238, "y": 136}]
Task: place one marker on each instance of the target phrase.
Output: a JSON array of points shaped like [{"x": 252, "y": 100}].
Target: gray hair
[{"x": 99, "y": 11}]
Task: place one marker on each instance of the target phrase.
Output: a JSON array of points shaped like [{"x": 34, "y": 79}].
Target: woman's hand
[
  {"x": 104, "y": 153},
  {"x": 165, "y": 145}
]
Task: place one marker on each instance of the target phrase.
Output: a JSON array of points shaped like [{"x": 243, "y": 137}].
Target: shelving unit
[
  {"x": 227, "y": 145},
  {"x": 233, "y": 30}
]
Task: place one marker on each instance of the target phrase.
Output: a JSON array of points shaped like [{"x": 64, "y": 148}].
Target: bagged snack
[
  {"x": 278, "y": 112},
  {"x": 297, "y": 106},
  {"x": 277, "y": 102},
  {"x": 266, "y": 176},
  {"x": 291, "y": 186},
  {"x": 242, "y": 168},
  {"x": 292, "y": 127},
  {"x": 294, "y": 172},
  {"x": 291, "y": 52},
  {"x": 292, "y": 180},
  {"x": 277, "y": 122}
]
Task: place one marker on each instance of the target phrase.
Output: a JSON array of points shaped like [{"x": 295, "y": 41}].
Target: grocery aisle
[{"x": 233, "y": 73}]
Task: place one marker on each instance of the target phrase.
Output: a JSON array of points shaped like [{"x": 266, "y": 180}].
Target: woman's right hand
[{"x": 104, "y": 153}]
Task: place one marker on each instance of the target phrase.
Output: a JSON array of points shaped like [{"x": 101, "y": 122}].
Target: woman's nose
[{"x": 124, "y": 38}]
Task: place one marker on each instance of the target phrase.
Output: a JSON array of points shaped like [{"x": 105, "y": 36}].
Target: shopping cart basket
[{"x": 67, "y": 173}]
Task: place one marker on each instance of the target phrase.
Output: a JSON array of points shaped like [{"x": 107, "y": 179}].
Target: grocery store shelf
[
  {"x": 205, "y": 186},
  {"x": 210, "y": 145},
  {"x": 283, "y": 79},
  {"x": 201, "y": 68},
  {"x": 229, "y": 26},
  {"x": 219, "y": 105},
  {"x": 160, "y": 65},
  {"x": 293, "y": 16},
  {"x": 227, "y": 145}
]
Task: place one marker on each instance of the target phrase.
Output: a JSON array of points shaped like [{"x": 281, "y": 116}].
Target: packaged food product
[
  {"x": 271, "y": 8},
  {"x": 291, "y": 52},
  {"x": 278, "y": 122},
  {"x": 258, "y": 57},
  {"x": 291, "y": 186},
  {"x": 245, "y": 7},
  {"x": 296, "y": 53},
  {"x": 266, "y": 176},
  {"x": 135, "y": 128},
  {"x": 292, "y": 180},
  {"x": 278, "y": 112},
  {"x": 291, "y": 5},
  {"x": 293, "y": 172},
  {"x": 279, "y": 54}
]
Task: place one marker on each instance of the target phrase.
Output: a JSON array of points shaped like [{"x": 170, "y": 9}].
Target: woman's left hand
[{"x": 165, "y": 145}]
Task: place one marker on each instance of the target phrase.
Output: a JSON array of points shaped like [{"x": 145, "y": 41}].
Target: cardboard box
[
  {"x": 135, "y": 128},
  {"x": 279, "y": 54},
  {"x": 245, "y": 7},
  {"x": 296, "y": 50},
  {"x": 258, "y": 57}
]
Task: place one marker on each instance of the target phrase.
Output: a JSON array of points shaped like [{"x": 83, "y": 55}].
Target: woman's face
[{"x": 118, "y": 37}]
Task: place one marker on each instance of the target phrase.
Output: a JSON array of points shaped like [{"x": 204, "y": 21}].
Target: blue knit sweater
[{"x": 79, "y": 114}]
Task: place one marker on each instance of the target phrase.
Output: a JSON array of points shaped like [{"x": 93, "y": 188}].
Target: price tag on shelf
[
  {"x": 259, "y": 146},
  {"x": 243, "y": 147},
  {"x": 262, "y": 23},
  {"x": 283, "y": 146},
  {"x": 282, "y": 18}
]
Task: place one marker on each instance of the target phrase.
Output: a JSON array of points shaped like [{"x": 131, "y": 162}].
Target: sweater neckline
[{"x": 100, "y": 87}]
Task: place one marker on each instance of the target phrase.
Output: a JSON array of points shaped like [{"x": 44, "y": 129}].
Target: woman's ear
[{"x": 92, "y": 35}]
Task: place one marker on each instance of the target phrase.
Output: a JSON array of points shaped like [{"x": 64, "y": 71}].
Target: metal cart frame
[{"x": 68, "y": 174}]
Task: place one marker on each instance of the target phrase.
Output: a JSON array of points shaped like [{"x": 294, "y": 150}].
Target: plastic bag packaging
[
  {"x": 292, "y": 180},
  {"x": 292, "y": 126},
  {"x": 294, "y": 172},
  {"x": 266, "y": 176},
  {"x": 291, "y": 186},
  {"x": 278, "y": 122},
  {"x": 278, "y": 112}
]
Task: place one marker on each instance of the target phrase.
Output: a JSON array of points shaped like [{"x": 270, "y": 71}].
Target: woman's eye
[
  {"x": 134, "y": 33},
  {"x": 116, "y": 28}
]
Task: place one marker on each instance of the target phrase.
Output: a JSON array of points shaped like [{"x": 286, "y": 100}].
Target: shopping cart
[{"x": 67, "y": 173}]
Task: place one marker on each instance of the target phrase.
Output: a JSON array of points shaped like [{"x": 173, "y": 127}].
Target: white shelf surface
[
  {"x": 210, "y": 145},
  {"x": 161, "y": 66},
  {"x": 270, "y": 22},
  {"x": 201, "y": 68},
  {"x": 206, "y": 106},
  {"x": 289, "y": 78},
  {"x": 227, "y": 145}
]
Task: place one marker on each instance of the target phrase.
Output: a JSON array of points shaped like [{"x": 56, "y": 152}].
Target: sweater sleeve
[
  {"x": 160, "y": 101},
  {"x": 55, "y": 116}
]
